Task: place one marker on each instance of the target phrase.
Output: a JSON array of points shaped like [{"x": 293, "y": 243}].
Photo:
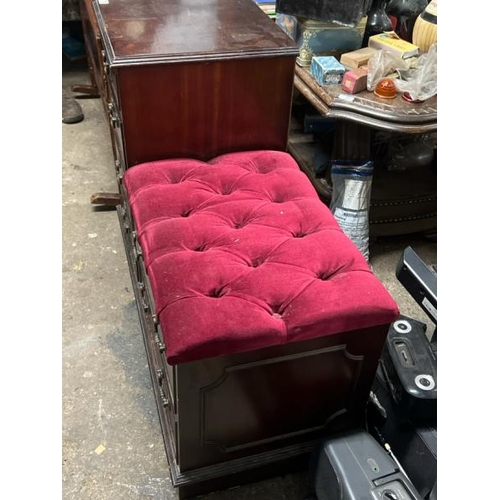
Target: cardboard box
[
  {"x": 357, "y": 58},
  {"x": 327, "y": 70},
  {"x": 391, "y": 42},
  {"x": 355, "y": 80}
]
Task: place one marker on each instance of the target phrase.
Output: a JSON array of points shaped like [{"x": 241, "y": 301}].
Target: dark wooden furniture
[
  {"x": 366, "y": 109},
  {"x": 94, "y": 50},
  {"x": 196, "y": 79},
  {"x": 402, "y": 202},
  {"x": 262, "y": 321},
  {"x": 213, "y": 442}
]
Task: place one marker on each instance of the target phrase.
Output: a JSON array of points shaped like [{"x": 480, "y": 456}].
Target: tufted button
[
  {"x": 239, "y": 225},
  {"x": 186, "y": 213},
  {"x": 201, "y": 248},
  {"x": 256, "y": 263},
  {"x": 277, "y": 311},
  {"x": 299, "y": 235},
  {"x": 325, "y": 276},
  {"x": 216, "y": 293}
]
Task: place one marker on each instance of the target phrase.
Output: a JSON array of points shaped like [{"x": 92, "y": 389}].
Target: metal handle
[
  {"x": 114, "y": 120},
  {"x": 105, "y": 62}
]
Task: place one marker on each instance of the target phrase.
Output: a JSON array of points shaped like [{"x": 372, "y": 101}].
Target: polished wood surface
[
  {"x": 365, "y": 108},
  {"x": 201, "y": 110},
  {"x": 190, "y": 78},
  {"x": 278, "y": 397},
  {"x": 170, "y": 30}
]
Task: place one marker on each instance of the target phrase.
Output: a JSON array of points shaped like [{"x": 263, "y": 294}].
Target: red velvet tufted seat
[{"x": 241, "y": 254}]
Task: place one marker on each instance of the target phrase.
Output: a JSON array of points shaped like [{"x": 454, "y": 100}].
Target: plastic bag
[
  {"x": 421, "y": 81},
  {"x": 382, "y": 64},
  {"x": 350, "y": 203},
  {"x": 417, "y": 76}
]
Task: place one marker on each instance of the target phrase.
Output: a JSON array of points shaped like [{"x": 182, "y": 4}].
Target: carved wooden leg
[
  {"x": 108, "y": 199},
  {"x": 88, "y": 90},
  {"x": 352, "y": 142}
]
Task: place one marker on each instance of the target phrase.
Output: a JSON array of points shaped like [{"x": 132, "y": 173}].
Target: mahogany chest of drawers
[{"x": 190, "y": 78}]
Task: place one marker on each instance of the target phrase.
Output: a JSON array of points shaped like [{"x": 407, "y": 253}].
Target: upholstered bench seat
[
  {"x": 241, "y": 254},
  {"x": 263, "y": 322}
]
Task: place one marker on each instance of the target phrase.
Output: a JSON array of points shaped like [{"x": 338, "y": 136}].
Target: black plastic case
[
  {"x": 410, "y": 367},
  {"x": 413, "y": 443},
  {"x": 354, "y": 466}
]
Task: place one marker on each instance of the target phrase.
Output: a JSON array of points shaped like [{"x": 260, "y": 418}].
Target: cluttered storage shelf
[{"x": 343, "y": 111}]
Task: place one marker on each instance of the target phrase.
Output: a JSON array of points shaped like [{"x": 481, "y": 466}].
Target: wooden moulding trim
[
  {"x": 240, "y": 465},
  {"x": 204, "y": 391},
  {"x": 166, "y": 58},
  {"x": 383, "y": 124},
  {"x": 195, "y": 57},
  {"x": 375, "y": 118}
]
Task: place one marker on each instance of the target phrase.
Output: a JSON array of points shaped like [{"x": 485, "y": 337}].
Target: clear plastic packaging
[
  {"x": 382, "y": 64},
  {"x": 417, "y": 76},
  {"x": 350, "y": 203},
  {"x": 421, "y": 81}
]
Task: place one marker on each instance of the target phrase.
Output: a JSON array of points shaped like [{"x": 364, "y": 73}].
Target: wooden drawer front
[
  {"x": 113, "y": 86},
  {"x": 103, "y": 70},
  {"x": 116, "y": 128},
  {"x": 164, "y": 387},
  {"x": 164, "y": 371},
  {"x": 162, "y": 374},
  {"x": 165, "y": 394}
]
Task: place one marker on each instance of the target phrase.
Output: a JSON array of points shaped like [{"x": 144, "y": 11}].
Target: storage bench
[{"x": 262, "y": 321}]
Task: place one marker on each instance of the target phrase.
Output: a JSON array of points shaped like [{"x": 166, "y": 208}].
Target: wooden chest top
[{"x": 168, "y": 31}]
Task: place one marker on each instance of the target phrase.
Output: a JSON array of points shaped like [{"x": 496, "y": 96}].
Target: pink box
[{"x": 355, "y": 80}]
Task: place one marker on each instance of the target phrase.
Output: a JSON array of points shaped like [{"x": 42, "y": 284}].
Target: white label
[
  {"x": 432, "y": 310},
  {"x": 346, "y": 97},
  {"x": 356, "y": 194},
  {"x": 103, "y": 2},
  {"x": 354, "y": 224}
]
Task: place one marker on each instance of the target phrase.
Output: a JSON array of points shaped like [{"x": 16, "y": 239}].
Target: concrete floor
[{"x": 112, "y": 444}]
